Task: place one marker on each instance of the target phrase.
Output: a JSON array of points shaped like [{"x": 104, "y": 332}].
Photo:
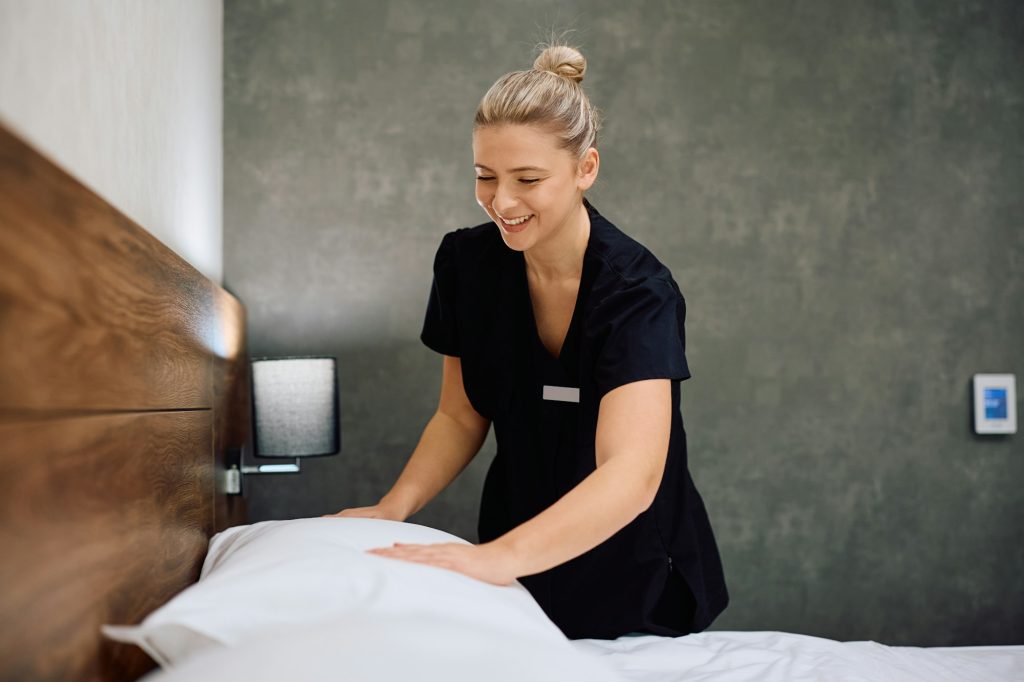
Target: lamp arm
[{"x": 238, "y": 469}]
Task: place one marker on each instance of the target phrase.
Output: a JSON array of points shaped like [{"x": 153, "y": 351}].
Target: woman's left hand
[{"x": 485, "y": 562}]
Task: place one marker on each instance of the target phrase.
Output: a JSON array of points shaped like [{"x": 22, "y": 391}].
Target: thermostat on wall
[{"x": 995, "y": 403}]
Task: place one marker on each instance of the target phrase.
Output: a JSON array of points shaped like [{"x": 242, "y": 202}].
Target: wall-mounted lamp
[{"x": 295, "y": 414}]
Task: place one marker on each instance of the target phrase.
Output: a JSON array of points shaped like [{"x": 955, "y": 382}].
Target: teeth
[{"x": 518, "y": 221}]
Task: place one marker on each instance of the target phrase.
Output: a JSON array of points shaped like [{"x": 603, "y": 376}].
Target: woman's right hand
[{"x": 375, "y": 511}]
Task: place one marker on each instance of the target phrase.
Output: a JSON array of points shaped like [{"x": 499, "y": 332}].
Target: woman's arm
[
  {"x": 633, "y": 428},
  {"x": 449, "y": 442}
]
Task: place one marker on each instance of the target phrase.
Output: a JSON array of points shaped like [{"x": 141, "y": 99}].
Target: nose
[{"x": 503, "y": 200}]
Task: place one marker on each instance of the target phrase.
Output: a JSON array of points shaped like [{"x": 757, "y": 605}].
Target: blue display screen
[{"x": 995, "y": 403}]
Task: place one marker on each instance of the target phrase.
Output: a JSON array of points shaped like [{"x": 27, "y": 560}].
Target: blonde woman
[{"x": 566, "y": 335}]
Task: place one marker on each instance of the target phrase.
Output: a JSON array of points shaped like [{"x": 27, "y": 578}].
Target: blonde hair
[{"x": 550, "y": 96}]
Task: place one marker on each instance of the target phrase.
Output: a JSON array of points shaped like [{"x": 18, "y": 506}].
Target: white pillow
[
  {"x": 420, "y": 647},
  {"x": 271, "y": 577}
]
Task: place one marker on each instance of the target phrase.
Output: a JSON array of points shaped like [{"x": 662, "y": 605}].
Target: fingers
[
  {"x": 356, "y": 512},
  {"x": 426, "y": 554},
  {"x": 429, "y": 559}
]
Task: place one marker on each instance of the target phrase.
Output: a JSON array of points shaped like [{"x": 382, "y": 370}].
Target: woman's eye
[{"x": 525, "y": 181}]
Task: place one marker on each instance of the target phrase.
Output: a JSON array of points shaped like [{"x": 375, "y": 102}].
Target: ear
[{"x": 586, "y": 170}]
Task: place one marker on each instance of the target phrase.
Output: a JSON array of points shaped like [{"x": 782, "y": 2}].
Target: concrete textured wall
[
  {"x": 836, "y": 188},
  {"x": 126, "y": 96}
]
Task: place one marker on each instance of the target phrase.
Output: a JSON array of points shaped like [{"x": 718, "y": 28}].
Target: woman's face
[{"x": 521, "y": 172}]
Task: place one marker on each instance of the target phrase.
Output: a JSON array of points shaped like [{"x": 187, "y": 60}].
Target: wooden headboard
[{"x": 123, "y": 385}]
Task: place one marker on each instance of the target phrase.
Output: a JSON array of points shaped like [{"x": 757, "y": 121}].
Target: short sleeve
[
  {"x": 439, "y": 326},
  {"x": 641, "y": 334}
]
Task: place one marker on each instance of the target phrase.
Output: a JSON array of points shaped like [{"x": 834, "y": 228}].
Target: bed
[{"x": 124, "y": 399}]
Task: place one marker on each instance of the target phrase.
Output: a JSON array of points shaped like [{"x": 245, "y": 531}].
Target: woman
[{"x": 568, "y": 336}]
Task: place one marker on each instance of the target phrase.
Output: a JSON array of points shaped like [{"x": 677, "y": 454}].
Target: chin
[{"x": 513, "y": 243}]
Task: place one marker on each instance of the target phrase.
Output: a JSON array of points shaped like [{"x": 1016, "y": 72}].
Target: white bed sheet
[
  {"x": 390, "y": 647},
  {"x": 786, "y": 657},
  {"x": 424, "y": 648}
]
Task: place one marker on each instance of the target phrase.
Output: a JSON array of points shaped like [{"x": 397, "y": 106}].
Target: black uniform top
[{"x": 661, "y": 573}]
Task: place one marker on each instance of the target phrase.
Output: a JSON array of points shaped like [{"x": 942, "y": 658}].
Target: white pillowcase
[
  {"x": 269, "y": 578},
  {"x": 413, "y": 648}
]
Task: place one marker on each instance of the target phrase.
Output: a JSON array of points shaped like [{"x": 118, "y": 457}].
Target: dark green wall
[{"x": 837, "y": 188}]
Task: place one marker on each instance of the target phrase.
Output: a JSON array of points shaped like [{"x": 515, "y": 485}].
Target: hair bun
[{"x": 562, "y": 60}]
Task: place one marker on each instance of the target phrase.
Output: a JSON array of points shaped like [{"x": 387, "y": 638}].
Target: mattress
[{"x": 781, "y": 656}]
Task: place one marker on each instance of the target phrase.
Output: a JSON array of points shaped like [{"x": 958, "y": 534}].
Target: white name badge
[{"x": 565, "y": 394}]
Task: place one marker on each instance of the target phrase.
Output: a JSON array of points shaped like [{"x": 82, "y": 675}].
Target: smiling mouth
[{"x": 516, "y": 222}]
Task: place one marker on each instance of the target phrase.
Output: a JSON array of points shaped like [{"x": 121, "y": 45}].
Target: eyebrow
[{"x": 514, "y": 170}]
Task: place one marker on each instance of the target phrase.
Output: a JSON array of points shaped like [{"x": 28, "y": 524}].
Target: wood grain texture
[
  {"x": 104, "y": 519},
  {"x": 123, "y": 387},
  {"x": 96, "y": 313}
]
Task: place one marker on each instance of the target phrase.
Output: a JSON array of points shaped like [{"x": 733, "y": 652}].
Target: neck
[{"x": 561, "y": 256}]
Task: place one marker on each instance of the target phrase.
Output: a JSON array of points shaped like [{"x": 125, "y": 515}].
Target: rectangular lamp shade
[{"x": 295, "y": 407}]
